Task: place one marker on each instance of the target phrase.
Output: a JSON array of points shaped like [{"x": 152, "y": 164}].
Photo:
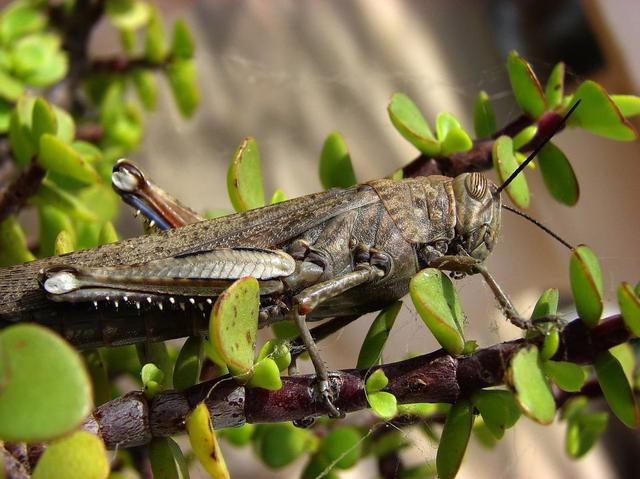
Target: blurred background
[{"x": 289, "y": 72}]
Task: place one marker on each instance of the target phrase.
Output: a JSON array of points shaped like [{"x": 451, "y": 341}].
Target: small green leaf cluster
[
  {"x": 534, "y": 368},
  {"x": 449, "y": 138},
  {"x": 70, "y": 137},
  {"x": 31, "y": 54},
  {"x": 599, "y": 113},
  {"x": 146, "y": 53}
]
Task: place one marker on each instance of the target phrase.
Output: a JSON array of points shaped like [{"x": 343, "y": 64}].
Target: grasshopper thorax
[{"x": 477, "y": 215}]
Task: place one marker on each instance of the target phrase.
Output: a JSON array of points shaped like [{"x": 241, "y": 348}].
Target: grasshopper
[{"x": 337, "y": 254}]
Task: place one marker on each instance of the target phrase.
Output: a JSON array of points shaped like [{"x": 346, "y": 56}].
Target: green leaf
[
  {"x": 155, "y": 45},
  {"x": 525, "y": 85},
  {"x": 80, "y": 455},
  {"x": 265, "y": 374},
  {"x": 569, "y": 377},
  {"x": 626, "y": 356},
  {"x": 318, "y": 467},
  {"x": 38, "y": 59},
  {"x": 408, "y": 120},
  {"x": 454, "y": 439},
  {"x": 63, "y": 159},
  {"x": 213, "y": 355},
  {"x": 599, "y": 114},
  {"x": 575, "y": 405},
  {"x": 281, "y": 444},
  {"x": 182, "y": 44},
  {"x": 437, "y": 303},
  {"x": 374, "y": 341},
  {"x": 40, "y": 403},
  {"x": 127, "y": 14},
  {"x": 146, "y": 87},
  {"x": 63, "y": 243},
  {"x": 583, "y": 431},
  {"x": 558, "y": 175},
  {"x": 498, "y": 409},
  {"x": 342, "y": 447},
  {"x": 285, "y": 329},
  {"x": 152, "y": 379},
  {"x": 21, "y": 143},
  {"x": 419, "y": 471},
  {"x": 484, "y": 119},
  {"x": 167, "y": 460},
  {"x": 629, "y": 307},
  {"x": 550, "y": 344},
  {"x": 19, "y": 19},
  {"x": 383, "y": 404},
  {"x": 204, "y": 443},
  {"x": 157, "y": 354},
  {"x": 186, "y": 370},
  {"x": 278, "y": 197},
  {"x": 128, "y": 40},
  {"x": 13, "y": 244},
  {"x": 483, "y": 434},
  {"x": 524, "y": 136},
  {"x": 377, "y": 381},
  {"x": 547, "y": 305},
  {"x": 505, "y": 163},
  {"x": 43, "y": 119},
  {"x": 108, "y": 234},
  {"x": 336, "y": 169},
  {"x": 616, "y": 389},
  {"x": 50, "y": 195},
  {"x": 101, "y": 200},
  {"x": 420, "y": 409},
  {"x": 586, "y": 284},
  {"x": 456, "y": 141},
  {"x": 52, "y": 222},
  {"x": 66, "y": 130},
  {"x": 5, "y": 116},
  {"x": 629, "y": 105},
  {"x": 234, "y": 324},
  {"x": 445, "y": 122},
  {"x": 451, "y": 135},
  {"x": 238, "y": 436},
  {"x": 184, "y": 86},
  {"x": 244, "y": 179},
  {"x": 554, "y": 90},
  {"x": 97, "y": 368},
  {"x": 278, "y": 350},
  {"x": 10, "y": 88},
  {"x": 533, "y": 393}
]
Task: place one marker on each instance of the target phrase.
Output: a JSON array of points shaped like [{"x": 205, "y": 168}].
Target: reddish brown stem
[
  {"x": 16, "y": 194},
  {"x": 435, "y": 377}
]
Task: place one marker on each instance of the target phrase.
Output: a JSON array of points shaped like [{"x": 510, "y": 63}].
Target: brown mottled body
[{"x": 405, "y": 223}]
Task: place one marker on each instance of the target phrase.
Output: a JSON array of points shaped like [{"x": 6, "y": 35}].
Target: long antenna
[
  {"x": 537, "y": 149},
  {"x": 538, "y": 224}
]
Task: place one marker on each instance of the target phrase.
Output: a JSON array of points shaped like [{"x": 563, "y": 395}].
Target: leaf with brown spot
[{"x": 234, "y": 324}]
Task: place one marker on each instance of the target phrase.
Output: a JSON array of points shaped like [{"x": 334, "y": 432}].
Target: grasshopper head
[{"x": 477, "y": 214}]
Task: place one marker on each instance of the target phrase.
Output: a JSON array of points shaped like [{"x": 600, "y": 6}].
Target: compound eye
[{"x": 476, "y": 185}]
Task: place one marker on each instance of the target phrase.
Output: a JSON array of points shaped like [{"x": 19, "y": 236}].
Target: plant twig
[
  {"x": 16, "y": 194},
  {"x": 435, "y": 377},
  {"x": 478, "y": 158}
]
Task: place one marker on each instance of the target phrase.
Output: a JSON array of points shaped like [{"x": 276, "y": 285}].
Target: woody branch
[{"x": 435, "y": 377}]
